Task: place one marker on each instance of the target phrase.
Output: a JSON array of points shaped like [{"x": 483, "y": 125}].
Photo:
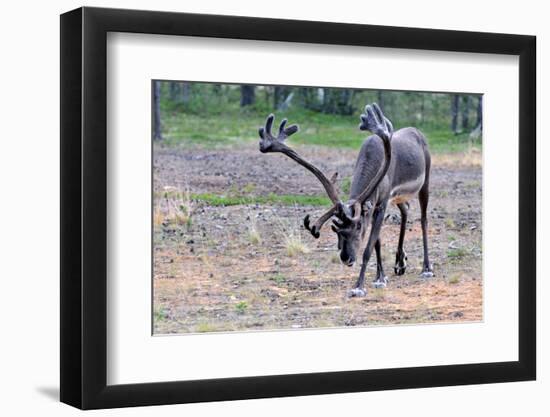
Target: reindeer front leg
[{"x": 380, "y": 280}]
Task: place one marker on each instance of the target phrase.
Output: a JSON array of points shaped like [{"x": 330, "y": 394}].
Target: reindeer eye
[{"x": 358, "y": 226}]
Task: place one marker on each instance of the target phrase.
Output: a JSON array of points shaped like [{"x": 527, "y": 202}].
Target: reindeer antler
[
  {"x": 270, "y": 143},
  {"x": 374, "y": 120}
]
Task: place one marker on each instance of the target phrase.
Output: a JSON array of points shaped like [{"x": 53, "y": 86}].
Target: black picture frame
[{"x": 84, "y": 207}]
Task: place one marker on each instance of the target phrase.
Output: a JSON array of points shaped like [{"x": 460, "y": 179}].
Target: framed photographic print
[{"x": 256, "y": 208}]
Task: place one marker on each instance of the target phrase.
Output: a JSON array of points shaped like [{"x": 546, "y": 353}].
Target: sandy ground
[{"x": 229, "y": 268}]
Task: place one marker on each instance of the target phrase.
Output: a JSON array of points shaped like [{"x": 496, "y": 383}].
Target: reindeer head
[
  {"x": 350, "y": 224},
  {"x": 350, "y": 219}
]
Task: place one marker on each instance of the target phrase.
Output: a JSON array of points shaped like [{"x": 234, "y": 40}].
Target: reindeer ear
[{"x": 261, "y": 132}]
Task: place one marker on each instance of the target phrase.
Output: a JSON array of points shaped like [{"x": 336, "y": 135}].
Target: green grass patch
[
  {"x": 346, "y": 185},
  {"x": 457, "y": 253},
  {"x": 283, "y": 199},
  {"x": 241, "y": 126}
]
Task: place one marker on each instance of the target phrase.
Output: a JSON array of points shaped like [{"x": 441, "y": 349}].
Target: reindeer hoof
[
  {"x": 380, "y": 282},
  {"x": 399, "y": 270},
  {"x": 357, "y": 292},
  {"x": 427, "y": 274},
  {"x": 400, "y": 263}
]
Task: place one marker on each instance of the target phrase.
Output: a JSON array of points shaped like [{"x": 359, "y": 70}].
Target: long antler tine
[
  {"x": 282, "y": 126},
  {"x": 389, "y": 125},
  {"x": 372, "y": 114},
  {"x": 285, "y": 132},
  {"x": 291, "y": 130},
  {"x": 378, "y": 112},
  {"x": 269, "y": 123},
  {"x": 383, "y": 119}
]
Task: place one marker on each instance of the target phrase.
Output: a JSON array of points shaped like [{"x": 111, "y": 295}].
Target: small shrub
[
  {"x": 241, "y": 307},
  {"x": 450, "y": 223},
  {"x": 278, "y": 278},
  {"x": 160, "y": 314}
]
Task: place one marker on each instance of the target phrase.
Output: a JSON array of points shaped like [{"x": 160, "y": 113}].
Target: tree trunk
[
  {"x": 422, "y": 106},
  {"x": 278, "y": 96},
  {"x": 465, "y": 112},
  {"x": 306, "y": 97},
  {"x": 380, "y": 99},
  {"x": 479, "y": 120},
  {"x": 287, "y": 101},
  {"x": 329, "y": 102},
  {"x": 185, "y": 93},
  {"x": 345, "y": 100},
  {"x": 157, "y": 128},
  {"x": 174, "y": 89},
  {"x": 248, "y": 95},
  {"x": 454, "y": 113}
]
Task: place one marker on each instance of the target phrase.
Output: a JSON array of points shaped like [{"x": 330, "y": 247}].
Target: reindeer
[{"x": 391, "y": 167}]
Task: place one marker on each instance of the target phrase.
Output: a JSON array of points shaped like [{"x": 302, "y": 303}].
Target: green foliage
[
  {"x": 211, "y": 115},
  {"x": 278, "y": 278}
]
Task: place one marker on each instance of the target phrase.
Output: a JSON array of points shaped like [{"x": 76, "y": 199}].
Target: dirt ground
[{"x": 229, "y": 268}]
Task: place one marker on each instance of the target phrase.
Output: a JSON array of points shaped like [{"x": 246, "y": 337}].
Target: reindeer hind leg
[
  {"x": 423, "y": 197},
  {"x": 401, "y": 256},
  {"x": 380, "y": 276}
]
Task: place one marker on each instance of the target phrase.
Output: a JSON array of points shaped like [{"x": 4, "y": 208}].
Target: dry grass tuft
[
  {"x": 254, "y": 236},
  {"x": 472, "y": 157},
  {"x": 174, "y": 207},
  {"x": 455, "y": 279},
  {"x": 294, "y": 245},
  {"x": 292, "y": 238}
]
